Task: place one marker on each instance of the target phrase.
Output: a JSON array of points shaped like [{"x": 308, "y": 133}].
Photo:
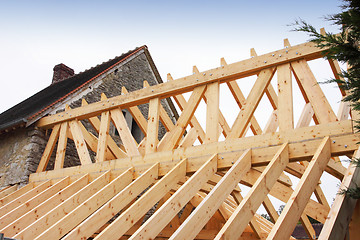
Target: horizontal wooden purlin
[
  {"x": 229, "y": 72},
  {"x": 301, "y": 147}
]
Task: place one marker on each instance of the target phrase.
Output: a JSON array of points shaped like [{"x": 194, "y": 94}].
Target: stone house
[{"x": 22, "y": 143}]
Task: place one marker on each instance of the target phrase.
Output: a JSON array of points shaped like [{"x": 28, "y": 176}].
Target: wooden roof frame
[{"x": 192, "y": 190}]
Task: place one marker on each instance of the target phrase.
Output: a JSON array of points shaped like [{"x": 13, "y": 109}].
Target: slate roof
[{"x": 43, "y": 100}]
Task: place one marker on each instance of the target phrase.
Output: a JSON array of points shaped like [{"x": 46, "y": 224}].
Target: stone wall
[{"x": 21, "y": 149}]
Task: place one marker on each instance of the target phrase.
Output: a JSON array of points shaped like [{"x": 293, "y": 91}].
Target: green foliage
[{"x": 343, "y": 47}]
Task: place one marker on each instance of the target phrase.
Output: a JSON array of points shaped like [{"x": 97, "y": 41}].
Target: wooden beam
[
  {"x": 8, "y": 190},
  {"x": 202, "y": 214},
  {"x": 16, "y": 213},
  {"x": 137, "y": 115},
  {"x": 46, "y": 206},
  {"x": 49, "y": 148},
  {"x": 153, "y": 126},
  {"x": 299, "y": 198},
  {"x": 306, "y": 78},
  {"x": 182, "y": 103},
  {"x": 339, "y": 216},
  {"x": 235, "y": 226},
  {"x": 125, "y": 134},
  {"x": 302, "y": 145},
  {"x": 85, "y": 209},
  {"x": 212, "y": 113},
  {"x": 285, "y": 97},
  {"x": 230, "y": 72},
  {"x": 103, "y": 136},
  {"x": 252, "y": 102},
  {"x": 183, "y": 120},
  {"x": 114, "y": 148},
  {"x": 16, "y": 194},
  {"x": 79, "y": 141},
  {"x": 61, "y": 148},
  {"x": 173, "y": 205},
  {"x": 60, "y": 211},
  {"x": 134, "y": 213}
]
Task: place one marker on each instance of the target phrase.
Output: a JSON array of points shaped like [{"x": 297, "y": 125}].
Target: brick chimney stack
[{"x": 61, "y": 72}]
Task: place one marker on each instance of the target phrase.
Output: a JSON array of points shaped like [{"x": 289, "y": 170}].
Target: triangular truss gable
[{"x": 173, "y": 188}]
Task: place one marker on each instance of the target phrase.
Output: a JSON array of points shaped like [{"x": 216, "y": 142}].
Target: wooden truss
[{"x": 187, "y": 185}]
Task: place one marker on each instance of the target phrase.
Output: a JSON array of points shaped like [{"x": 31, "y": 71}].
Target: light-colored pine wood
[
  {"x": 125, "y": 134},
  {"x": 319, "y": 103},
  {"x": 114, "y": 149},
  {"x": 285, "y": 98},
  {"x": 61, "y": 148},
  {"x": 270, "y": 209},
  {"x": 46, "y": 206},
  {"x": 189, "y": 138},
  {"x": 202, "y": 214},
  {"x": 182, "y": 103},
  {"x": 309, "y": 229},
  {"x": 235, "y": 226},
  {"x": 14, "y": 214},
  {"x": 212, "y": 113},
  {"x": 344, "y": 111},
  {"x": 163, "y": 115},
  {"x": 49, "y": 148},
  {"x": 16, "y": 194},
  {"x": 337, "y": 221},
  {"x": 299, "y": 198},
  {"x": 8, "y": 190},
  {"x": 103, "y": 137},
  {"x": 153, "y": 126},
  {"x": 252, "y": 101},
  {"x": 173, "y": 205},
  {"x": 183, "y": 120},
  {"x": 43, "y": 223},
  {"x": 79, "y": 141},
  {"x": 75, "y": 217},
  {"x": 127, "y": 219},
  {"x": 23, "y": 198}
]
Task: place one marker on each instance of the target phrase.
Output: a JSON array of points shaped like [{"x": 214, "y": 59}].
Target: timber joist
[{"x": 188, "y": 183}]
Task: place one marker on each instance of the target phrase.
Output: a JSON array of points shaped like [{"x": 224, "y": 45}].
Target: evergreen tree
[{"x": 343, "y": 47}]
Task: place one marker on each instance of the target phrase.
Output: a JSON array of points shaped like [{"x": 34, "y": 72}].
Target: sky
[{"x": 37, "y": 35}]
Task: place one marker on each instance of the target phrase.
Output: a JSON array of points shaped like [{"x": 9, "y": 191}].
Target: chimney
[{"x": 61, "y": 72}]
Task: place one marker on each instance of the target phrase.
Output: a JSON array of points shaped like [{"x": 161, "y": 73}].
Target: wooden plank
[
  {"x": 252, "y": 101},
  {"x": 235, "y": 226},
  {"x": 114, "y": 149},
  {"x": 303, "y": 144},
  {"x": 103, "y": 137},
  {"x": 79, "y": 141},
  {"x": 61, "y": 148},
  {"x": 46, "y": 206},
  {"x": 134, "y": 213},
  {"x": 344, "y": 111},
  {"x": 16, "y": 194},
  {"x": 339, "y": 216},
  {"x": 49, "y": 148},
  {"x": 85, "y": 209},
  {"x": 299, "y": 198},
  {"x": 23, "y": 198},
  {"x": 202, "y": 214},
  {"x": 183, "y": 120},
  {"x": 230, "y": 72},
  {"x": 321, "y": 106},
  {"x": 173, "y": 205},
  {"x": 50, "y": 218},
  {"x": 8, "y": 190},
  {"x": 309, "y": 229},
  {"x": 137, "y": 115},
  {"x": 16, "y": 213},
  {"x": 164, "y": 117},
  {"x": 273, "y": 214},
  {"x": 285, "y": 108},
  {"x": 124, "y": 132},
  {"x": 212, "y": 113},
  {"x": 189, "y": 138},
  {"x": 306, "y": 116},
  {"x": 152, "y": 138}
]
